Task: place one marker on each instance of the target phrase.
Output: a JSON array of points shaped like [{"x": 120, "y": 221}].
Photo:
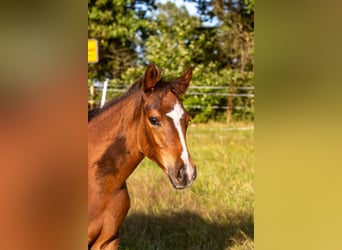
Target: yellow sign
[{"x": 93, "y": 51}]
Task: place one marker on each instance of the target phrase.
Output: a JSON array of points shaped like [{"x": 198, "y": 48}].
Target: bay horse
[{"x": 148, "y": 120}]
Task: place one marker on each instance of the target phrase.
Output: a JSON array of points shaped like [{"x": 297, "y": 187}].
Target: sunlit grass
[{"x": 215, "y": 213}]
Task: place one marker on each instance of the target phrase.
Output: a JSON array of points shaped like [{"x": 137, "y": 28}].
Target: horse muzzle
[{"x": 182, "y": 177}]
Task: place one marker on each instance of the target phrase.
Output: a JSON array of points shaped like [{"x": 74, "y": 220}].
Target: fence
[{"x": 198, "y": 99}]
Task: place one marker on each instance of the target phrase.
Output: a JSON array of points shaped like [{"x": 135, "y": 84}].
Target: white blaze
[{"x": 176, "y": 114}]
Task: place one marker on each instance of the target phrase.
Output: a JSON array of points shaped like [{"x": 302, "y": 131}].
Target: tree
[
  {"x": 119, "y": 27},
  {"x": 235, "y": 40}
]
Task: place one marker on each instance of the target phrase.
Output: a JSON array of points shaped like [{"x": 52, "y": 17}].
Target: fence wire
[{"x": 195, "y": 91}]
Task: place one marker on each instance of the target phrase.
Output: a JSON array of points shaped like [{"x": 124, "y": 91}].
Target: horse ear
[
  {"x": 182, "y": 83},
  {"x": 151, "y": 77}
]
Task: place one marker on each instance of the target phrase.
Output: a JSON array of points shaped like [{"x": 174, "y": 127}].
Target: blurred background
[{"x": 215, "y": 37}]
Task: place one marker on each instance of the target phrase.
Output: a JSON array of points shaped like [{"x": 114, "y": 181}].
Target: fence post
[
  {"x": 104, "y": 92},
  {"x": 230, "y": 100},
  {"x": 91, "y": 101}
]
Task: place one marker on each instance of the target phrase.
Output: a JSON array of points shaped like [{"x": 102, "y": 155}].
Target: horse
[{"x": 148, "y": 120}]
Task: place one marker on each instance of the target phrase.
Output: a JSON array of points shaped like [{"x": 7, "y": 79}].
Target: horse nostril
[{"x": 181, "y": 173}]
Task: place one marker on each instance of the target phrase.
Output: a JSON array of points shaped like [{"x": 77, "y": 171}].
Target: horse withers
[{"x": 148, "y": 120}]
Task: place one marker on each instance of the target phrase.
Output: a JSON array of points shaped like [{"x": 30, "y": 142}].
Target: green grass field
[{"x": 215, "y": 213}]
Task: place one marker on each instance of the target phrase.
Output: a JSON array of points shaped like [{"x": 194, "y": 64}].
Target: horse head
[{"x": 164, "y": 124}]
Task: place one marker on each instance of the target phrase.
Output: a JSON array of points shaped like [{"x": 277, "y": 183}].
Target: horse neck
[{"x": 114, "y": 146}]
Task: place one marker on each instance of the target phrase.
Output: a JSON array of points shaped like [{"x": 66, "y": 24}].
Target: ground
[{"x": 215, "y": 213}]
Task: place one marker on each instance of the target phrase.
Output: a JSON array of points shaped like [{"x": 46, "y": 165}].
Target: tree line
[{"x": 218, "y": 41}]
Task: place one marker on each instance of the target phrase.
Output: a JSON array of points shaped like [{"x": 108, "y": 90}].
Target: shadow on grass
[{"x": 183, "y": 231}]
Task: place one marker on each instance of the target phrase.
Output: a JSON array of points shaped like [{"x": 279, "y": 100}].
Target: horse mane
[
  {"x": 93, "y": 112},
  {"x": 96, "y": 111}
]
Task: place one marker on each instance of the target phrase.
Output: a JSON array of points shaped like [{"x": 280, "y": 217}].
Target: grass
[{"x": 215, "y": 213}]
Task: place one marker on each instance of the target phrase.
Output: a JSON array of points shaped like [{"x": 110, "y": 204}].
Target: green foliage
[
  {"x": 249, "y": 6},
  {"x": 172, "y": 45},
  {"x": 116, "y": 25},
  {"x": 222, "y": 54}
]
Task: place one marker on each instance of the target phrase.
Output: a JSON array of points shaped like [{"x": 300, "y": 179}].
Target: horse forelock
[{"x": 163, "y": 87}]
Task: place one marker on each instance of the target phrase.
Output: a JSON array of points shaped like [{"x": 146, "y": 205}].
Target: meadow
[{"x": 215, "y": 213}]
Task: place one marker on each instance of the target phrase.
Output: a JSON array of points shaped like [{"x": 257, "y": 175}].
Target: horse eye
[{"x": 154, "y": 121}]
